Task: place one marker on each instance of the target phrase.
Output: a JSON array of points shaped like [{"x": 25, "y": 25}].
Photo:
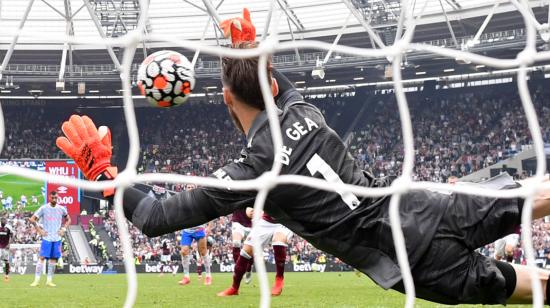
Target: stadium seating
[{"x": 457, "y": 131}]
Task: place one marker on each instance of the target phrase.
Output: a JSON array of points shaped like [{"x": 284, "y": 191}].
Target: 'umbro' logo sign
[{"x": 62, "y": 190}]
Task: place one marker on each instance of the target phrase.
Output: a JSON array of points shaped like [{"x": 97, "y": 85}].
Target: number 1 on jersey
[{"x": 317, "y": 164}]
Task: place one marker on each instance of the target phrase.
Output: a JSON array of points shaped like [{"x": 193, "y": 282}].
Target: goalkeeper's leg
[{"x": 523, "y": 292}]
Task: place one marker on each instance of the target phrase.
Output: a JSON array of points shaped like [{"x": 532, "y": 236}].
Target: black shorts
[{"x": 451, "y": 272}]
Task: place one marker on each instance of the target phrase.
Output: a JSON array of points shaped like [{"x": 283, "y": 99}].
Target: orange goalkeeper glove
[
  {"x": 239, "y": 29},
  {"x": 89, "y": 147}
]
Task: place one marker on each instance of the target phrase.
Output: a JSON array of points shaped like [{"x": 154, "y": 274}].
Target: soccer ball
[{"x": 166, "y": 78}]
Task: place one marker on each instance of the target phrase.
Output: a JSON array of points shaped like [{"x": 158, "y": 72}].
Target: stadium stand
[{"x": 457, "y": 131}]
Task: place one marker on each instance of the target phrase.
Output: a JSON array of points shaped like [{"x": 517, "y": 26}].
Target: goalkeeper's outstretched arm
[
  {"x": 91, "y": 149},
  {"x": 183, "y": 210}
]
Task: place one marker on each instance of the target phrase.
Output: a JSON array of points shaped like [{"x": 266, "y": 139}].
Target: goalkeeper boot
[
  {"x": 6, "y": 278},
  {"x": 185, "y": 280},
  {"x": 229, "y": 292},
  {"x": 278, "y": 286}
]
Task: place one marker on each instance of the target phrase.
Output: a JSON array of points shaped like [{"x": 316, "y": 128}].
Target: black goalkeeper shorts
[{"x": 451, "y": 272}]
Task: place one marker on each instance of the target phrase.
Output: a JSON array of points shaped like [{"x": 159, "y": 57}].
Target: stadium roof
[
  {"x": 37, "y": 61},
  {"x": 186, "y": 19}
]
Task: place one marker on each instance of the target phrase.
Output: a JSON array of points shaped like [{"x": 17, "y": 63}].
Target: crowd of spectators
[
  {"x": 24, "y": 231},
  {"x": 541, "y": 245},
  {"x": 193, "y": 141},
  {"x": 145, "y": 249},
  {"x": 455, "y": 132},
  {"x": 149, "y": 250},
  {"x": 31, "y": 132}
]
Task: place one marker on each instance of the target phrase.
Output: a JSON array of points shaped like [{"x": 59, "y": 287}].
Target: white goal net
[{"x": 394, "y": 54}]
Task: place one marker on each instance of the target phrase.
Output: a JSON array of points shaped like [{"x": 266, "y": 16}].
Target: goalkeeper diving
[{"x": 442, "y": 230}]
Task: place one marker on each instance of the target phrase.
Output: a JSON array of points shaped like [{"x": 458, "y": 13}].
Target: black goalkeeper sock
[
  {"x": 510, "y": 277},
  {"x": 548, "y": 291},
  {"x": 6, "y": 268}
]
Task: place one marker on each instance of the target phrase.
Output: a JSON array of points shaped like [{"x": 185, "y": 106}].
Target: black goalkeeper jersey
[{"x": 352, "y": 228}]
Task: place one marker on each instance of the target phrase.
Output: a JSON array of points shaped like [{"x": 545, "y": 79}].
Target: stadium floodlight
[
  {"x": 319, "y": 71},
  {"x": 81, "y": 88},
  {"x": 60, "y": 85}
]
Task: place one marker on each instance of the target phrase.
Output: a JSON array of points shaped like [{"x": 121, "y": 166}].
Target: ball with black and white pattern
[{"x": 166, "y": 78}]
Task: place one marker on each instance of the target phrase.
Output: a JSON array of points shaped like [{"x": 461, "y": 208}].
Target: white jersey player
[{"x": 51, "y": 229}]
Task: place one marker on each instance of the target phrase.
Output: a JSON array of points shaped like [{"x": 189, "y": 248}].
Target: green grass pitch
[
  {"x": 15, "y": 186},
  {"x": 311, "y": 290}
]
